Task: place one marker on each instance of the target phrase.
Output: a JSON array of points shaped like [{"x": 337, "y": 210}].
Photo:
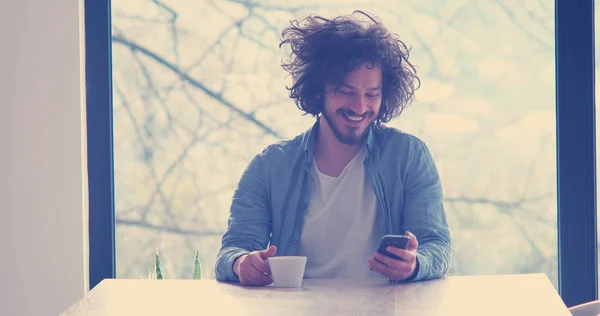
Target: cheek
[{"x": 333, "y": 103}]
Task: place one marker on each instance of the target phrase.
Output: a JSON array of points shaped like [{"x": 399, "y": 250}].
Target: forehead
[{"x": 366, "y": 76}]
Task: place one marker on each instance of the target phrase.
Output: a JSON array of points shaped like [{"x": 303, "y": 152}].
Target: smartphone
[{"x": 398, "y": 241}]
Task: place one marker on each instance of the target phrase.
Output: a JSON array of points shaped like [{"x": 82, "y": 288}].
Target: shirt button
[{"x": 295, "y": 242}]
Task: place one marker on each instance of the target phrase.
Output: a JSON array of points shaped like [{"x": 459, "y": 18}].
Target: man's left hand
[{"x": 397, "y": 269}]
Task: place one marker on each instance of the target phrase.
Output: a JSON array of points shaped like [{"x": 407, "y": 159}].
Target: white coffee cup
[{"x": 287, "y": 271}]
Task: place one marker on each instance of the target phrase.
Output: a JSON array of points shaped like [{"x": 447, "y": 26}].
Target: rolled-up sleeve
[
  {"x": 249, "y": 223},
  {"x": 424, "y": 214}
]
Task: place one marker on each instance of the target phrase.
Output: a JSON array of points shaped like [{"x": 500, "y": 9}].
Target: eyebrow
[{"x": 370, "y": 89}]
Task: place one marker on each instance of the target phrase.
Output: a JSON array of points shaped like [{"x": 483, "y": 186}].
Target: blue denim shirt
[{"x": 272, "y": 196}]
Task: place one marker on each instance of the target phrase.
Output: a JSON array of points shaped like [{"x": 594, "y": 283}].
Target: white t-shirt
[{"x": 342, "y": 226}]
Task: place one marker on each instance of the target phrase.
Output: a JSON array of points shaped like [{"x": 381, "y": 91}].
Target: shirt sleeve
[
  {"x": 249, "y": 223},
  {"x": 424, "y": 214}
]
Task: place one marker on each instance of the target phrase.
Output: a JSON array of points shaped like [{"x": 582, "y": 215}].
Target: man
[{"x": 332, "y": 192}]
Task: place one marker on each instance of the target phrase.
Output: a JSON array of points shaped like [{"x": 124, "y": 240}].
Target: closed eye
[{"x": 372, "y": 96}]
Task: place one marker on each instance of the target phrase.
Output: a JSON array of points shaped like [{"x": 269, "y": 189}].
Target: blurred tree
[{"x": 199, "y": 90}]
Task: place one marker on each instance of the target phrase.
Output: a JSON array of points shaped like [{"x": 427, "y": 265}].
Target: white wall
[{"x": 41, "y": 224}]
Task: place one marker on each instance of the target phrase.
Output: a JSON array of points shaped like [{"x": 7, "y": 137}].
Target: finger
[
  {"x": 383, "y": 269},
  {"x": 400, "y": 266},
  {"x": 406, "y": 255},
  {"x": 413, "y": 243},
  {"x": 246, "y": 271},
  {"x": 251, "y": 276},
  {"x": 260, "y": 265},
  {"x": 244, "y": 276},
  {"x": 266, "y": 254},
  {"x": 265, "y": 280},
  {"x": 260, "y": 278},
  {"x": 390, "y": 262},
  {"x": 247, "y": 279}
]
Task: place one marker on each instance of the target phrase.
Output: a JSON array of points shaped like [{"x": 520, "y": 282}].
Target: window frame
[
  {"x": 575, "y": 143},
  {"x": 576, "y": 146},
  {"x": 99, "y": 127}
]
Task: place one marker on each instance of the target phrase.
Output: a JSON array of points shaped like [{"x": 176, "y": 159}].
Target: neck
[{"x": 331, "y": 154}]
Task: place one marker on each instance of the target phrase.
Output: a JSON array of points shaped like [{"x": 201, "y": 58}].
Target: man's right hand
[{"x": 252, "y": 269}]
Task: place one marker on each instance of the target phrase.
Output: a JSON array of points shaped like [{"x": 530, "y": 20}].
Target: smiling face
[{"x": 352, "y": 107}]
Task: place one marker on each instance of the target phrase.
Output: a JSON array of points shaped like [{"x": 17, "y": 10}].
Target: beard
[{"x": 352, "y": 137}]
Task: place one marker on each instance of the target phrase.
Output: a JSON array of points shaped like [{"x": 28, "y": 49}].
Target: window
[{"x": 193, "y": 104}]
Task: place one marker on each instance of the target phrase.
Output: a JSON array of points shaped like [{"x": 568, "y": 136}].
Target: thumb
[
  {"x": 413, "y": 244},
  {"x": 266, "y": 254}
]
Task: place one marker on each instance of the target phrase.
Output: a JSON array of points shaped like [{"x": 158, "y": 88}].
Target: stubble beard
[{"x": 351, "y": 139}]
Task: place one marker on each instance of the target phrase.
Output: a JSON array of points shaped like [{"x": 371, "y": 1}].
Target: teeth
[{"x": 354, "y": 118}]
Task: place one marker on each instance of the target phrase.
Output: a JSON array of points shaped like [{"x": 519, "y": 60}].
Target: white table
[{"x": 526, "y": 294}]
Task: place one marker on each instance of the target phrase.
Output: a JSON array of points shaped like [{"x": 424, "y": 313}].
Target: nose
[{"x": 360, "y": 105}]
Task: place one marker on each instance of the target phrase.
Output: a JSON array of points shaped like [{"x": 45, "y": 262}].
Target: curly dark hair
[{"x": 324, "y": 50}]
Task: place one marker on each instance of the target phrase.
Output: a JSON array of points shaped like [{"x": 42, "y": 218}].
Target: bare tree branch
[
  {"x": 159, "y": 182},
  {"x": 212, "y": 46},
  {"x": 146, "y": 159},
  {"x": 497, "y": 203},
  {"x": 161, "y": 228},
  {"x": 434, "y": 70},
  {"x": 230, "y": 127},
  {"x": 446, "y": 23},
  {"x": 251, "y": 4},
  {"x": 248, "y": 116},
  {"x": 530, "y": 172},
  {"x": 527, "y": 234},
  {"x": 132, "y": 117},
  {"x": 172, "y": 21},
  {"x": 525, "y": 30},
  {"x": 535, "y": 18},
  {"x": 153, "y": 88},
  {"x": 229, "y": 65},
  {"x": 119, "y": 14}
]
